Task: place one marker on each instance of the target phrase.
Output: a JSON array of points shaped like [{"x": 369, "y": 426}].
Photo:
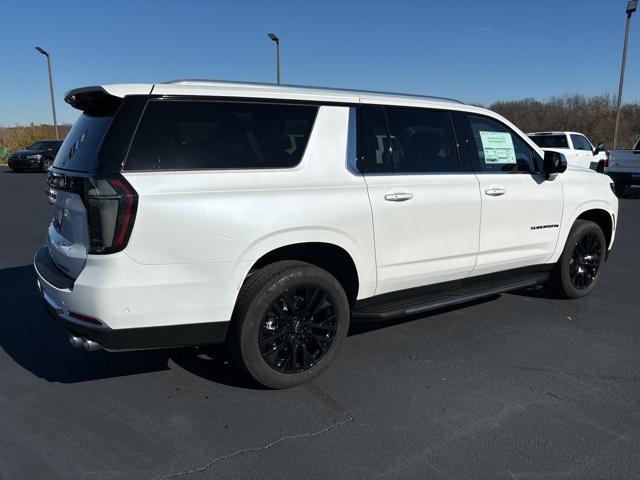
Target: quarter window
[
  {"x": 187, "y": 135},
  {"x": 499, "y": 150}
]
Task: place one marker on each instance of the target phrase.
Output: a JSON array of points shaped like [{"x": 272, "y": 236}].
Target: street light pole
[
  {"x": 631, "y": 7},
  {"x": 53, "y": 101},
  {"x": 273, "y": 37}
]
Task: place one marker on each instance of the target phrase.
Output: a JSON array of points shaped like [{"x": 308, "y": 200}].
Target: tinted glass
[
  {"x": 79, "y": 151},
  {"x": 186, "y": 135},
  {"x": 499, "y": 150},
  {"x": 422, "y": 141},
  {"x": 580, "y": 143},
  {"x": 637, "y": 147},
  {"x": 375, "y": 142},
  {"x": 550, "y": 141}
]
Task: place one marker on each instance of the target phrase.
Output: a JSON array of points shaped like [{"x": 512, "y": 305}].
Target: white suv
[{"x": 196, "y": 212}]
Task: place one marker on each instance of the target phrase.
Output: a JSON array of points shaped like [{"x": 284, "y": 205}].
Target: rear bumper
[
  {"x": 137, "y": 338},
  {"x": 132, "y": 308}
]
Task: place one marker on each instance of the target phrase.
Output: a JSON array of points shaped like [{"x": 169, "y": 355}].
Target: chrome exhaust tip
[
  {"x": 90, "y": 345},
  {"x": 76, "y": 342}
]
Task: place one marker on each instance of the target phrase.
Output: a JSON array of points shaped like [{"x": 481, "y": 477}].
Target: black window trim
[
  {"x": 475, "y": 159},
  {"x": 223, "y": 99},
  {"x": 360, "y": 163}
]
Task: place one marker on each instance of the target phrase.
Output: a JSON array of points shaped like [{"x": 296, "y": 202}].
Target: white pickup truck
[
  {"x": 623, "y": 166},
  {"x": 575, "y": 146}
]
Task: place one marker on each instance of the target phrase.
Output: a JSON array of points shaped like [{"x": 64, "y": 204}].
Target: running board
[{"x": 433, "y": 297}]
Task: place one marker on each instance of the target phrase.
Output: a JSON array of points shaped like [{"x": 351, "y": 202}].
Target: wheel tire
[
  {"x": 46, "y": 164},
  {"x": 573, "y": 261},
  {"x": 261, "y": 295},
  {"x": 620, "y": 189}
]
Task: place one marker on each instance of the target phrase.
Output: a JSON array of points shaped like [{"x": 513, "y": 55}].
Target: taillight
[
  {"x": 606, "y": 158},
  {"x": 111, "y": 205}
]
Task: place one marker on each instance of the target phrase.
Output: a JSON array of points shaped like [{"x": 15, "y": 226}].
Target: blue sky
[{"x": 477, "y": 51}]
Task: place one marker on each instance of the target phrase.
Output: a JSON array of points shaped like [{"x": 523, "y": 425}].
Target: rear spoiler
[{"x": 95, "y": 101}]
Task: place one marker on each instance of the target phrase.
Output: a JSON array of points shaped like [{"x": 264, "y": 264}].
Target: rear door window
[
  {"x": 408, "y": 140},
  {"x": 191, "y": 135},
  {"x": 422, "y": 141}
]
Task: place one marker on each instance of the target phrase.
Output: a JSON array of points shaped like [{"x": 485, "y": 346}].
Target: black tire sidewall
[
  {"x": 581, "y": 229},
  {"x": 249, "y": 326}
]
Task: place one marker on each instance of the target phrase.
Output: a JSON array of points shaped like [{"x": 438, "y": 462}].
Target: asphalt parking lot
[{"x": 517, "y": 386}]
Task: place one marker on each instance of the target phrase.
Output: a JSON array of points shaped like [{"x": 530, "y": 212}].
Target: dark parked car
[{"x": 37, "y": 156}]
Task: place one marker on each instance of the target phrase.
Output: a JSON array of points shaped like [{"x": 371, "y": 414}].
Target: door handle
[
  {"x": 398, "y": 197},
  {"x": 495, "y": 191}
]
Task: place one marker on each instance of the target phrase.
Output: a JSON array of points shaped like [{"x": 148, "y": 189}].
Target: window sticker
[{"x": 497, "y": 147}]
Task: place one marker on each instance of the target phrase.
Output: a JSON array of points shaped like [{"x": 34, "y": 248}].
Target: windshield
[
  {"x": 637, "y": 147},
  {"x": 80, "y": 149},
  {"x": 550, "y": 141},
  {"x": 38, "y": 146}
]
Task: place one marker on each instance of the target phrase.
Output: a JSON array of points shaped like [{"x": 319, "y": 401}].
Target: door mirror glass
[{"x": 554, "y": 162}]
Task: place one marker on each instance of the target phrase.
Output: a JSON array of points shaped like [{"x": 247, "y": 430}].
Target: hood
[{"x": 577, "y": 168}]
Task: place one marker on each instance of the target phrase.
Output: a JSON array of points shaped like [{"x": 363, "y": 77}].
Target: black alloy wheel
[
  {"x": 585, "y": 261},
  {"x": 577, "y": 270},
  {"x": 289, "y": 322},
  {"x": 298, "y": 328}
]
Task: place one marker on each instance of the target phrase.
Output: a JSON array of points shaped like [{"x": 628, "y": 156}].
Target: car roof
[
  {"x": 263, "y": 90},
  {"x": 81, "y": 97}
]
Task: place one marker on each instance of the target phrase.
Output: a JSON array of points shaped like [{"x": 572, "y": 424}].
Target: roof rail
[{"x": 308, "y": 87}]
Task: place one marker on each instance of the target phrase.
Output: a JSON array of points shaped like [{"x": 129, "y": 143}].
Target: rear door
[
  {"x": 426, "y": 208},
  {"x": 521, "y": 210}
]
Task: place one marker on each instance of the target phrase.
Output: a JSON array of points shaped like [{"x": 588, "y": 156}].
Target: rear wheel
[
  {"x": 290, "y": 320},
  {"x": 578, "y": 269}
]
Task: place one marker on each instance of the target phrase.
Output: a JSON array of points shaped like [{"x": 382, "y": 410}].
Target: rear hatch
[{"x": 93, "y": 205}]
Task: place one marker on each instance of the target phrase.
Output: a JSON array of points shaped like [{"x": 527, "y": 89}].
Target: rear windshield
[
  {"x": 550, "y": 141},
  {"x": 189, "y": 135},
  {"x": 79, "y": 151}
]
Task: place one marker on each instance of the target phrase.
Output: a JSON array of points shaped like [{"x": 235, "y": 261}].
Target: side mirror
[
  {"x": 554, "y": 162},
  {"x": 599, "y": 148}
]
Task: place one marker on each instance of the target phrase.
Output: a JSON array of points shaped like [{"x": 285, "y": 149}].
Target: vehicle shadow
[
  {"x": 539, "y": 291},
  {"x": 37, "y": 343}
]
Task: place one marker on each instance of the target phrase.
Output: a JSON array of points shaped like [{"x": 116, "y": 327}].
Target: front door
[
  {"x": 521, "y": 210},
  {"x": 426, "y": 209}
]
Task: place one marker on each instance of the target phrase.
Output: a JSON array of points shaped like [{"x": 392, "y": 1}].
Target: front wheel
[
  {"x": 579, "y": 266},
  {"x": 46, "y": 164},
  {"x": 289, "y": 322}
]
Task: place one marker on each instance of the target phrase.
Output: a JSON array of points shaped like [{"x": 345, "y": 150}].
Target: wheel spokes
[{"x": 298, "y": 329}]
